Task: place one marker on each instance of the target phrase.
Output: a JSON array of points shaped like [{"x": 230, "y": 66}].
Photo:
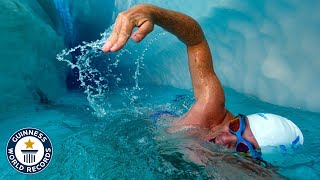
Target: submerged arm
[{"x": 209, "y": 109}]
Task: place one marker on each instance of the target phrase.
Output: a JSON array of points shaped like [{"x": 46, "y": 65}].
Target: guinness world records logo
[{"x": 29, "y": 150}]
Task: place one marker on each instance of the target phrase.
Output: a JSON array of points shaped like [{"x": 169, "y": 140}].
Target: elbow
[{"x": 195, "y": 33}]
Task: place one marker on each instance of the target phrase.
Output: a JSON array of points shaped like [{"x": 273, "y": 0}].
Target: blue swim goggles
[{"x": 236, "y": 127}]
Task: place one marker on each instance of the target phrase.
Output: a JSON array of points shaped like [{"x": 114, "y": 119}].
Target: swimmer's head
[
  {"x": 264, "y": 131},
  {"x": 225, "y": 138},
  {"x": 271, "y": 130}
]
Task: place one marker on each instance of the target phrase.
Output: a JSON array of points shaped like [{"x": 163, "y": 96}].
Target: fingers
[
  {"x": 123, "y": 35},
  {"x": 120, "y": 34},
  {"x": 122, "y": 31},
  {"x": 113, "y": 37},
  {"x": 143, "y": 31}
]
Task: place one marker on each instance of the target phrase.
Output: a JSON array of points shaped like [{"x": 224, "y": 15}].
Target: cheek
[{"x": 228, "y": 141}]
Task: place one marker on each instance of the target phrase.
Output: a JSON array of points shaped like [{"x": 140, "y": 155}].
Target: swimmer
[{"x": 246, "y": 134}]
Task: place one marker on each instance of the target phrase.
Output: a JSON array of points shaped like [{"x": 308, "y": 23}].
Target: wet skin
[{"x": 209, "y": 111}]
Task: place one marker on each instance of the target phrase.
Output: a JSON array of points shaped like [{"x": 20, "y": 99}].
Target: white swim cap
[{"x": 275, "y": 131}]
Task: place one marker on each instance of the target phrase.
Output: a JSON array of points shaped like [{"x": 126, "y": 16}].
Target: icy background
[
  {"x": 28, "y": 46},
  {"x": 263, "y": 48},
  {"x": 267, "y": 49}
]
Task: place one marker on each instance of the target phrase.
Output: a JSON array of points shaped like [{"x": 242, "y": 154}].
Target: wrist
[{"x": 153, "y": 12}]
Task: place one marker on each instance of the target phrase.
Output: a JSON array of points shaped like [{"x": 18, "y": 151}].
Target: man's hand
[{"x": 138, "y": 16}]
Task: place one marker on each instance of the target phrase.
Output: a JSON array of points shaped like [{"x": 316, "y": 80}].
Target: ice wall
[
  {"x": 83, "y": 21},
  {"x": 28, "y": 47},
  {"x": 263, "y": 48},
  {"x": 32, "y": 33}
]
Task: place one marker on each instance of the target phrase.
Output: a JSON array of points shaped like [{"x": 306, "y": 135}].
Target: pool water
[{"x": 126, "y": 143}]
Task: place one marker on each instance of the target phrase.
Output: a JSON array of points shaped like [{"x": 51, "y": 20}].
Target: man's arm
[{"x": 209, "y": 109}]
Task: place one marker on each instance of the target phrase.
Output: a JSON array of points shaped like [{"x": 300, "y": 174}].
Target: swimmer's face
[
  {"x": 226, "y": 139},
  {"x": 229, "y": 140}
]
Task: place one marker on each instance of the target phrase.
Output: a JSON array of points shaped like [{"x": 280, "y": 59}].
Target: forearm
[
  {"x": 181, "y": 25},
  {"x": 210, "y": 100},
  {"x": 199, "y": 56}
]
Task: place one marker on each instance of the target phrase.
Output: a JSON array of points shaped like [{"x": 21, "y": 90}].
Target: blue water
[
  {"x": 102, "y": 129},
  {"x": 128, "y": 144}
]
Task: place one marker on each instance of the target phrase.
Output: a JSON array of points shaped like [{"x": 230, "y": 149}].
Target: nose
[{"x": 226, "y": 140}]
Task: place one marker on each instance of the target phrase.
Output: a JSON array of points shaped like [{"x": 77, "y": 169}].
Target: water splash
[{"x": 99, "y": 72}]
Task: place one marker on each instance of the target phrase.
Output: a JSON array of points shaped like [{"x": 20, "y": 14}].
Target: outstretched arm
[{"x": 209, "y": 109}]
